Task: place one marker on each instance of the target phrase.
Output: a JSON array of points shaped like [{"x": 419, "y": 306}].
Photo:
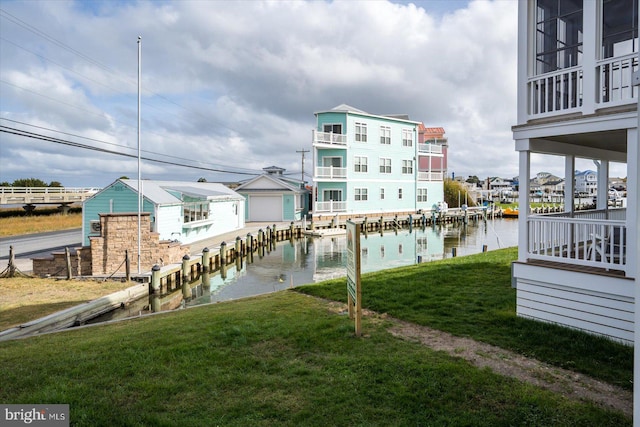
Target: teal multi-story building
[{"x": 366, "y": 164}]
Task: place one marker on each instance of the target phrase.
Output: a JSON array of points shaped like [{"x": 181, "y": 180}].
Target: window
[
  {"x": 407, "y": 166},
  {"x": 361, "y": 132},
  {"x": 361, "y": 194},
  {"x": 385, "y": 165},
  {"x": 407, "y": 138},
  {"x": 558, "y": 35},
  {"x": 332, "y": 128},
  {"x": 619, "y": 27},
  {"x": 385, "y": 135},
  {"x": 422, "y": 195},
  {"x": 382, "y": 194},
  {"x": 399, "y": 193},
  {"x": 195, "y": 211},
  {"x": 360, "y": 164},
  {"x": 335, "y": 195}
]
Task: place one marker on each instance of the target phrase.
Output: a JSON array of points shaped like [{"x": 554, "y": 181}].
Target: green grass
[
  {"x": 279, "y": 360},
  {"x": 472, "y": 296}
]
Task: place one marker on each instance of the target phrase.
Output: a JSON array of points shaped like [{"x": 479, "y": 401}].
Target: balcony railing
[
  {"x": 329, "y": 138},
  {"x": 582, "y": 240},
  {"x": 615, "y": 80},
  {"x": 429, "y": 149},
  {"x": 553, "y": 92},
  {"x": 330, "y": 172},
  {"x": 430, "y": 176},
  {"x": 329, "y": 207}
]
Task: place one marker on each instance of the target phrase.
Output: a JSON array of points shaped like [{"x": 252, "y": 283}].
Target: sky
[{"x": 231, "y": 87}]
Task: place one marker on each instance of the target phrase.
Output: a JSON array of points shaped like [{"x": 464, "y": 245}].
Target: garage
[{"x": 265, "y": 208}]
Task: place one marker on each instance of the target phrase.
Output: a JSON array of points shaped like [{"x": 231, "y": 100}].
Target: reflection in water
[{"x": 308, "y": 260}]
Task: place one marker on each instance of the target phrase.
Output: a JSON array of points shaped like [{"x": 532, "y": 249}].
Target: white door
[{"x": 265, "y": 208}]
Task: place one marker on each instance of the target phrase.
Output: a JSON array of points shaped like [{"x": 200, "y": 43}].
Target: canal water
[{"x": 314, "y": 259}]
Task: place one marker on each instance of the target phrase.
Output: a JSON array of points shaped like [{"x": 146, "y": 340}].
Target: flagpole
[{"x": 139, "y": 174}]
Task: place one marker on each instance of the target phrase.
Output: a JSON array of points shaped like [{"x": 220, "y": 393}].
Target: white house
[
  {"x": 586, "y": 182},
  {"x": 577, "y": 99},
  {"x": 180, "y": 210},
  {"x": 374, "y": 164},
  {"x": 273, "y": 196}
]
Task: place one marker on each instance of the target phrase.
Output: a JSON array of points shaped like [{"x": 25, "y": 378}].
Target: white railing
[
  {"x": 553, "y": 92},
  {"x": 581, "y": 241},
  {"x": 331, "y": 172},
  {"x": 615, "y": 80},
  {"x": 430, "y": 176},
  {"x": 330, "y": 206},
  {"x": 329, "y": 138},
  {"x": 47, "y": 190},
  {"x": 616, "y": 214},
  {"x": 429, "y": 149}
]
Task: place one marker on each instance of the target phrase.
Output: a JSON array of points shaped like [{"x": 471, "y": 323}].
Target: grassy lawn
[
  {"x": 17, "y": 225},
  {"x": 280, "y": 360},
  {"x": 471, "y": 296},
  {"x": 25, "y": 299}
]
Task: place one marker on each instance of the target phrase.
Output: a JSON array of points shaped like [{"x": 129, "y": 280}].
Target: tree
[
  {"x": 55, "y": 184},
  {"x": 202, "y": 179},
  {"x": 124, "y": 177},
  {"x": 473, "y": 180},
  {"x": 454, "y": 191},
  {"x": 29, "y": 182}
]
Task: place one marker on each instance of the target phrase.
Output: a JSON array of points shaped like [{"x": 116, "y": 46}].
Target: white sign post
[{"x": 354, "y": 293}]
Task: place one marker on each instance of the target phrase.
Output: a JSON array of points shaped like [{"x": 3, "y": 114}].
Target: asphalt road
[{"x": 37, "y": 245}]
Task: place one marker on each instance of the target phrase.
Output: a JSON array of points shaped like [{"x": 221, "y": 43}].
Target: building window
[
  {"x": 619, "y": 27},
  {"x": 361, "y": 132},
  {"x": 407, "y": 166},
  {"x": 361, "y": 194},
  {"x": 399, "y": 193},
  {"x": 407, "y": 138},
  {"x": 385, "y": 165},
  {"x": 422, "y": 195},
  {"x": 195, "y": 211},
  {"x": 558, "y": 35},
  {"x": 385, "y": 135},
  {"x": 332, "y": 128},
  {"x": 382, "y": 194},
  {"x": 360, "y": 164}
]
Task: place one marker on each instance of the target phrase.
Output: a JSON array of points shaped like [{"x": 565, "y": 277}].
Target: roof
[
  {"x": 344, "y": 108},
  {"x": 288, "y": 184},
  {"x": 159, "y": 193}
]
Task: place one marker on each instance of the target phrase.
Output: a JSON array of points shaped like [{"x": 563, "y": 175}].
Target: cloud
[{"x": 235, "y": 84}]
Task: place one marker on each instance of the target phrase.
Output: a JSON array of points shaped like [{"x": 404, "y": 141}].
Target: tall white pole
[{"x": 139, "y": 174}]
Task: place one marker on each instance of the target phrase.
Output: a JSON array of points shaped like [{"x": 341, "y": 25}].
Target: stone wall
[{"x": 106, "y": 253}]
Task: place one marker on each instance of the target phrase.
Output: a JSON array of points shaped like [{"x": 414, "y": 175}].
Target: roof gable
[{"x": 269, "y": 182}]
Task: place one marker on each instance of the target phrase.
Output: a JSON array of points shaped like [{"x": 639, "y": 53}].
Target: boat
[{"x": 510, "y": 213}]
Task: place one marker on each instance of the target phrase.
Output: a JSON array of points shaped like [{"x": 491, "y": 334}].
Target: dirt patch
[{"x": 504, "y": 362}]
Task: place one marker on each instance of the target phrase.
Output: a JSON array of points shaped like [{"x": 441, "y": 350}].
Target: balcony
[
  {"x": 330, "y": 172},
  {"x": 590, "y": 238},
  {"x": 615, "y": 80},
  {"x": 330, "y": 207},
  {"x": 329, "y": 138},
  {"x": 429, "y": 149},
  {"x": 430, "y": 176}
]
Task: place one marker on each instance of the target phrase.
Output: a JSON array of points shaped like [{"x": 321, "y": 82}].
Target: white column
[
  {"x": 603, "y": 184},
  {"x": 590, "y": 53},
  {"x": 569, "y": 183},
  {"x": 633, "y": 254},
  {"x": 523, "y": 201}
]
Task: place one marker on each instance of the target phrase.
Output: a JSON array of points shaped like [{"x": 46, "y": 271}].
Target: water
[{"x": 309, "y": 260}]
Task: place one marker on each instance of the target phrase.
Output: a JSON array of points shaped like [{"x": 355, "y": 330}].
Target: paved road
[{"x": 37, "y": 245}]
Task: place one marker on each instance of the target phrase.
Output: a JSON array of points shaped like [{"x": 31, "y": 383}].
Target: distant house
[
  {"x": 498, "y": 186},
  {"x": 274, "y": 197},
  {"x": 586, "y": 182},
  {"x": 183, "y": 211}
]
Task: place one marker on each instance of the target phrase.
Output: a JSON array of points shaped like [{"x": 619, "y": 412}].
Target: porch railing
[
  {"x": 615, "y": 80},
  {"x": 330, "y": 206},
  {"x": 578, "y": 240},
  {"x": 429, "y": 149},
  {"x": 430, "y": 176},
  {"x": 331, "y": 172},
  {"x": 554, "y": 92},
  {"x": 329, "y": 138}
]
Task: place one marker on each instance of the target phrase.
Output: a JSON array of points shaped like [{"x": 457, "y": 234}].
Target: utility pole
[{"x": 302, "y": 175}]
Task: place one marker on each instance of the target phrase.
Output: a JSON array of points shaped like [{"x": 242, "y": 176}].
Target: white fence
[{"x": 329, "y": 138}]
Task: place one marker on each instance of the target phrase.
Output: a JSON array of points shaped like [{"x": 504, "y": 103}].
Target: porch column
[
  {"x": 603, "y": 183},
  {"x": 569, "y": 183},
  {"x": 523, "y": 201},
  {"x": 590, "y": 48},
  {"x": 633, "y": 255}
]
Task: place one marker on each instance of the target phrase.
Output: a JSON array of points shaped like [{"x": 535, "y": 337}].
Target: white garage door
[{"x": 265, "y": 208}]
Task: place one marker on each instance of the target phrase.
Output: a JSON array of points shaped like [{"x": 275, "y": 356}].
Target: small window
[
  {"x": 407, "y": 166},
  {"x": 400, "y": 193},
  {"x": 360, "y": 164},
  {"x": 385, "y": 165},
  {"x": 361, "y": 132},
  {"x": 422, "y": 195},
  {"x": 407, "y": 138},
  {"x": 382, "y": 194},
  {"x": 385, "y": 135},
  {"x": 361, "y": 194}
]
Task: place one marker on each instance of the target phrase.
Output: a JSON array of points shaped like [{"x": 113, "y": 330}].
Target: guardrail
[{"x": 45, "y": 195}]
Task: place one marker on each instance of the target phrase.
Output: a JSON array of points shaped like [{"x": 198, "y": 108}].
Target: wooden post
[
  {"x": 238, "y": 247},
  {"x": 154, "y": 291},
  {"x": 206, "y": 280},
  {"x": 186, "y": 290},
  {"x": 484, "y": 248},
  {"x": 223, "y": 253},
  {"x": 291, "y": 229},
  {"x": 12, "y": 262},
  {"x": 127, "y": 265},
  {"x": 410, "y": 222},
  {"x": 454, "y": 252},
  {"x": 249, "y": 248},
  {"x": 67, "y": 256}
]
